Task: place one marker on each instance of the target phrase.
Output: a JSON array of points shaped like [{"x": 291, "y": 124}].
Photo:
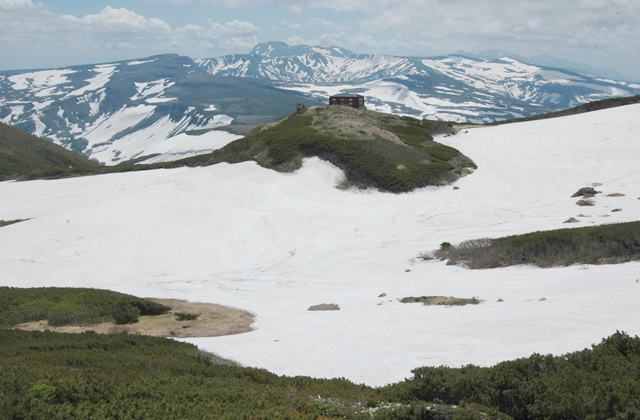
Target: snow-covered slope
[{"x": 275, "y": 243}]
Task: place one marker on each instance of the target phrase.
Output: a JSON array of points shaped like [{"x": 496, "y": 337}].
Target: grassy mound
[
  {"x": 604, "y": 244},
  {"x": 72, "y": 306},
  {"x": 387, "y": 152}
]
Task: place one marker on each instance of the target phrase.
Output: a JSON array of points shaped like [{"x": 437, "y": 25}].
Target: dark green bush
[
  {"x": 186, "y": 316},
  {"x": 587, "y": 245},
  {"x": 65, "y": 306},
  {"x": 598, "y": 383}
]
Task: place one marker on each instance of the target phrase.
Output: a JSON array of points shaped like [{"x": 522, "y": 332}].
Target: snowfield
[{"x": 275, "y": 244}]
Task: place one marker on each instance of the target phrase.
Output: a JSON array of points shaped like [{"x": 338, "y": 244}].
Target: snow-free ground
[{"x": 275, "y": 244}]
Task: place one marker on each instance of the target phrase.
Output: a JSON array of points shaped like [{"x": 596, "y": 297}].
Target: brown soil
[
  {"x": 215, "y": 320},
  {"x": 459, "y": 127}
]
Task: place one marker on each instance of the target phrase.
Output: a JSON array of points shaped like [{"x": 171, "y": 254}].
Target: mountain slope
[
  {"x": 120, "y": 111},
  {"x": 22, "y": 153},
  {"x": 143, "y": 110},
  {"x": 375, "y": 150},
  {"x": 453, "y": 87}
]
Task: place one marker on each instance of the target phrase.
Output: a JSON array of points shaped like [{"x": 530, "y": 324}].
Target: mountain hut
[{"x": 348, "y": 99}]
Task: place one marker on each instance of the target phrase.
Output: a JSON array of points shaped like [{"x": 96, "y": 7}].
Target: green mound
[
  {"x": 23, "y": 155},
  {"x": 375, "y": 150},
  {"x": 72, "y": 306},
  {"x": 605, "y": 244}
]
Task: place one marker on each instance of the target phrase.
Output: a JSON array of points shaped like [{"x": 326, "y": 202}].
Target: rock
[
  {"x": 585, "y": 192},
  {"x": 585, "y": 203},
  {"x": 571, "y": 220},
  {"x": 324, "y": 307},
  {"x": 614, "y": 210},
  {"x": 382, "y": 295}
]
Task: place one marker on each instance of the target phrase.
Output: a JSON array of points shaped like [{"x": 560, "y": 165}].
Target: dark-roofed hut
[{"x": 348, "y": 99}]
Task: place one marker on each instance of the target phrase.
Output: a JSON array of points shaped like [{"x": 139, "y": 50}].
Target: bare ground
[{"x": 214, "y": 320}]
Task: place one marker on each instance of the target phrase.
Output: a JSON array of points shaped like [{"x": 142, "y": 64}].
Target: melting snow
[
  {"x": 97, "y": 82},
  {"x": 40, "y": 79},
  {"x": 275, "y": 244}
]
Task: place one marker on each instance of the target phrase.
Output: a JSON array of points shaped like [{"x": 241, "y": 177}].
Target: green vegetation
[
  {"x": 186, "y": 316},
  {"x": 387, "y": 152},
  {"x": 440, "y": 300},
  {"x": 22, "y": 153},
  {"x": 588, "y": 107},
  {"x": 604, "y": 244},
  {"x": 45, "y": 375},
  {"x": 55, "y": 375},
  {"x": 598, "y": 383},
  {"x": 375, "y": 150},
  {"x": 72, "y": 306}
]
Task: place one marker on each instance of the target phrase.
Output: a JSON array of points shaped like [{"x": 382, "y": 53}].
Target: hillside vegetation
[
  {"x": 22, "y": 153},
  {"x": 374, "y": 150},
  {"x": 606, "y": 244},
  {"x": 46, "y": 375}
]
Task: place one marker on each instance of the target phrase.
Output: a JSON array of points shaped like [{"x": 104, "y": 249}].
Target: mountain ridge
[{"x": 131, "y": 110}]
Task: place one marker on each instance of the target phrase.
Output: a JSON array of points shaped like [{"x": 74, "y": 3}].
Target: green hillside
[
  {"x": 376, "y": 150},
  {"x": 22, "y": 154}
]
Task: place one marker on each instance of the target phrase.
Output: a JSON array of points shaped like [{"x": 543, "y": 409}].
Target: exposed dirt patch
[
  {"x": 213, "y": 321},
  {"x": 459, "y": 127},
  {"x": 441, "y": 300},
  {"x": 347, "y": 122}
]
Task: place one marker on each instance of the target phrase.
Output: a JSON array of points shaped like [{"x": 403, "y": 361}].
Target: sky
[{"x": 56, "y": 33}]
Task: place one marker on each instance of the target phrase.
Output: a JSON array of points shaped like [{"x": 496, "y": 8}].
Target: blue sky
[{"x": 53, "y": 33}]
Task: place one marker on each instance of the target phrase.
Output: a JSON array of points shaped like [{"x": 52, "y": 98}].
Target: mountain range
[{"x": 168, "y": 107}]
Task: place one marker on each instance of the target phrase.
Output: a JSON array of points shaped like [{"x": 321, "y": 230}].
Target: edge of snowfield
[{"x": 275, "y": 244}]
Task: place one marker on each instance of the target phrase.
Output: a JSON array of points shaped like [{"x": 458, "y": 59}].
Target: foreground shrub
[{"x": 598, "y": 383}]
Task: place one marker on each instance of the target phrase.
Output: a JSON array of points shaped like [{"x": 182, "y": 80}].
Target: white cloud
[
  {"x": 120, "y": 20},
  {"x": 292, "y": 25}
]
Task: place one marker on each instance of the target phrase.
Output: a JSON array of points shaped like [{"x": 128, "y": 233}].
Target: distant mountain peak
[{"x": 279, "y": 49}]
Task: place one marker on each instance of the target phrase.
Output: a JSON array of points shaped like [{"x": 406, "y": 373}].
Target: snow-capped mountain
[
  {"x": 143, "y": 109},
  {"x": 136, "y": 109},
  {"x": 452, "y": 87}
]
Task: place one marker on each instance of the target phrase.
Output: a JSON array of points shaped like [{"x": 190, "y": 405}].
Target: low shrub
[
  {"x": 603, "y": 244},
  {"x": 186, "y": 316}
]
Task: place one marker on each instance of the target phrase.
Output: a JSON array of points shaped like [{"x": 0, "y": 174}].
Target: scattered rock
[
  {"x": 407, "y": 270},
  {"x": 456, "y": 188},
  {"x": 542, "y": 299},
  {"x": 324, "y": 307},
  {"x": 605, "y": 215},
  {"x": 616, "y": 195},
  {"x": 585, "y": 192},
  {"x": 584, "y": 215},
  {"x": 586, "y": 203},
  {"x": 500, "y": 300},
  {"x": 571, "y": 220},
  {"x": 615, "y": 210},
  {"x": 382, "y": 295}
]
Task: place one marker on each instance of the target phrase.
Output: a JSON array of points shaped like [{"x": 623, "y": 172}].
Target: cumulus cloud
[{"x": 119, "y": 20}]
